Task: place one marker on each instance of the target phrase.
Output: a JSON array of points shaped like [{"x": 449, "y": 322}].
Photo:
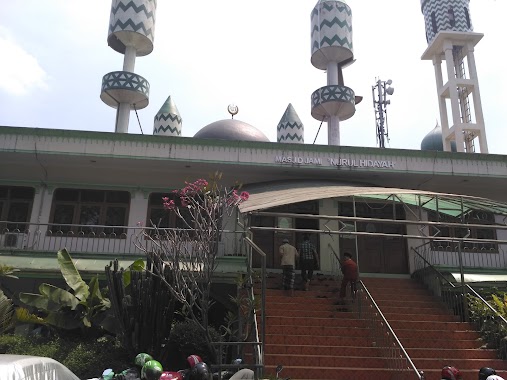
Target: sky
[{"x": 255, "y": 54}]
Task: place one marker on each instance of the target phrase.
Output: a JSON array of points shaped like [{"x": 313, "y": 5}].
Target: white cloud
[{"x": 20, "y": 71}]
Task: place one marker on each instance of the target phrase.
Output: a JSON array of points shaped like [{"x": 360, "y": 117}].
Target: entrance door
[
  {"x": 263, "y": 239},
  {"x": 379, "y": 254}
]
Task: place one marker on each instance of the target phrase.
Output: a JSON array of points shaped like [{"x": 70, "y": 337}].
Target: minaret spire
[
  {"x": 332, "y": 51},
  {"x": 131, "y": 32}
]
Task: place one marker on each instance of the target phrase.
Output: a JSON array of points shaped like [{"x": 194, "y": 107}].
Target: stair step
[
  {"x": 325, "y": 361},
  {"x": 331, "y": 313},
  {"x": 316, "y": 331},
  {"x": 293, "y": 339},
  {"x": 430, "y": 343},
  {"x": 429, "y": 325},
  {"x": 333, "y": 373},
  {"x": 429, "y": 363},
  {"x": 321, "y": 350},
  {"x": 300, "y": 306},
  {"x": 345, "y": 319},
  {"x": 452, "y": 354},
  {"x": 442, "y": 317},
  {"x": 434, "y": 374},
  {"x": 437, "y": 335}
]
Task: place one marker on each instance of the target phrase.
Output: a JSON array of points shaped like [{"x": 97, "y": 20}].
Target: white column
[
  {"x": 442, "y": 106},
  {"x": 122, "y": 118},
  {"x": 333, "y": 124},
  {"x": 453, "y": 93},
  {"x": 479, "y": 116},
  {"x": 129, "y": 59},
  {"x": 332, "y": 73},
  {"x": 333, "y": 130}
]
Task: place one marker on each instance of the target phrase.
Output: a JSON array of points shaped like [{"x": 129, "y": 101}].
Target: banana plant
[{"x": 79, "y": 307}]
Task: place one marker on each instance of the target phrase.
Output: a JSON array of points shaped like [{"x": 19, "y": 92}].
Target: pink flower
[
  {"x": 169, "y": 205},
  {"x": 244, "y": 195}
]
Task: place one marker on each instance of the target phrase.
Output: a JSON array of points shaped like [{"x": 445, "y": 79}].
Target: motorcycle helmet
[
  {"x": 484, "y": 372},
  {"x": 193, "y": 360},
  {"x": 451, "y": 373},
  {"x": 199, "y": 372},
  {"x": 141, "y": 359},
  {"x": 167, "y": 375},
  {"x": 151, "y": 370}
]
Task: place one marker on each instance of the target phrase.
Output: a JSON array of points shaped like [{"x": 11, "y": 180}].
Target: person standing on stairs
[
  {"x": 309, "y": 259},
  {"x": 350, "y": 276},
  {"x": 288, "y": 254}
]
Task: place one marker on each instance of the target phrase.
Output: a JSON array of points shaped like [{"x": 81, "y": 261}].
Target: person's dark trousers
[
  {"x": 307, "y": 270},
  {"x": 343, "y": 287}
]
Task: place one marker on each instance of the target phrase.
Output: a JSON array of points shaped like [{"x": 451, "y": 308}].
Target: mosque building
[
  {"x": 400, "y": 213},
  {"x": 92, "y": 190}
]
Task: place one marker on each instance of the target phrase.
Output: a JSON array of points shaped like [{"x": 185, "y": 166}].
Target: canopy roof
[{"x": 267, "y": 195}]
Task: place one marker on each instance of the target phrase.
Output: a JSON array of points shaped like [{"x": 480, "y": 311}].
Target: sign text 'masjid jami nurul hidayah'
[{"x": 347, "y": 162}]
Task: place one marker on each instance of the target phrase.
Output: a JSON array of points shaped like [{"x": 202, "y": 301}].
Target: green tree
[
  {"x": 190, "y": 253},
  {"x": 81, "y": 307}
]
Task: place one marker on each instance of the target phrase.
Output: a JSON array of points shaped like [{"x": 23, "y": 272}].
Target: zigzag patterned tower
[
  {"x": 168, "y": 121},
  {"x": 131, "y": 31},
  {"x": 290, "y": 129},
  {"x": 451, "y": 38},
  {"x": 332, "y": 50}
]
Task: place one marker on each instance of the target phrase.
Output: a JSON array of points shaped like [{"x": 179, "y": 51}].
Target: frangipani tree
[{"x": 189, "y": 254}]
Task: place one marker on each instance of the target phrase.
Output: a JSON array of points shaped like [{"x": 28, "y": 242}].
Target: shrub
[
  {"x": 86, "y": 358},
  {"x": 187, "y": 338}
]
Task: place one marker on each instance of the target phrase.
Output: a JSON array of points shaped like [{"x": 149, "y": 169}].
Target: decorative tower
[
  {"x": 131, "y": 28},
  {"x": 332, "y": 51},
  {"x": 290, "y": 128},
  {"x": 451, "y": 38},
  {"x": 167, "y": 121}
]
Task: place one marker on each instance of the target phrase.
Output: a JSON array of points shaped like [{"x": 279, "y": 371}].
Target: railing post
[{"x": 463, "y": 287}]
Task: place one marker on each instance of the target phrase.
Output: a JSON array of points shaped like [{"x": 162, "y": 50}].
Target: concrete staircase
[
  {"x": 431, "y": 334},
  {"x": 314, "y": 339}
]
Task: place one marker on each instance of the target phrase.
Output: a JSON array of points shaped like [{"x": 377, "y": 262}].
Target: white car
[{"x": 24, "y": 367}]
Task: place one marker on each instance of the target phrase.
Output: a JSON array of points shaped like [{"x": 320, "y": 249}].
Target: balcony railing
[{"x": 92, "y": 239}]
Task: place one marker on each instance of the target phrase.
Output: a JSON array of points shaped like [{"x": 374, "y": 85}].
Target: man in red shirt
[{"x": 350, "y": 275}]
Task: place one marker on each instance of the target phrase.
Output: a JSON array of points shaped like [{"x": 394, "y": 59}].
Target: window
[
  {"x": 161, "y": 218},
  {"x": 452, "y": 19},
  {"x": 434, "y": 22},
  {"x": 467, "y": 17},
  {"x": 73, "y": 210},
  {"x": 473, "y": 217},
  {"x": 15, "y": 207}
]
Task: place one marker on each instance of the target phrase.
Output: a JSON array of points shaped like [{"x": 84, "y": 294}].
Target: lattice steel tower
[
  {"x": 332, "y": 51},
  {"x": 131, "y": 31},
  {"x": 451, "y": 41}
]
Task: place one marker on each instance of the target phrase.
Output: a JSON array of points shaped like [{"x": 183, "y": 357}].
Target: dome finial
[{"x": 233, "y": 109}]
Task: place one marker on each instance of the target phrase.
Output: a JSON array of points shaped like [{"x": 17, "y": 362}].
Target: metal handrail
[
  {"x": 464, "y": 301},
  {"x": 437, "y": 272},
  {"x": 420, "y": 375},
  {"x": 486, "y": 303},
  {"x": 390, "y": 331},
  {"x": 256, "y": 248}
]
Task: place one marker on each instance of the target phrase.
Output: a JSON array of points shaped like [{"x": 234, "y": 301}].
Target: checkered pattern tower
[
  {"x": 290, "y": 129},
  {"x": 451, "y": 43},
  {"x": 131, "y": 31},
  {"x": 167, "y": 121},
  {"x": 332, "y": 51}
]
